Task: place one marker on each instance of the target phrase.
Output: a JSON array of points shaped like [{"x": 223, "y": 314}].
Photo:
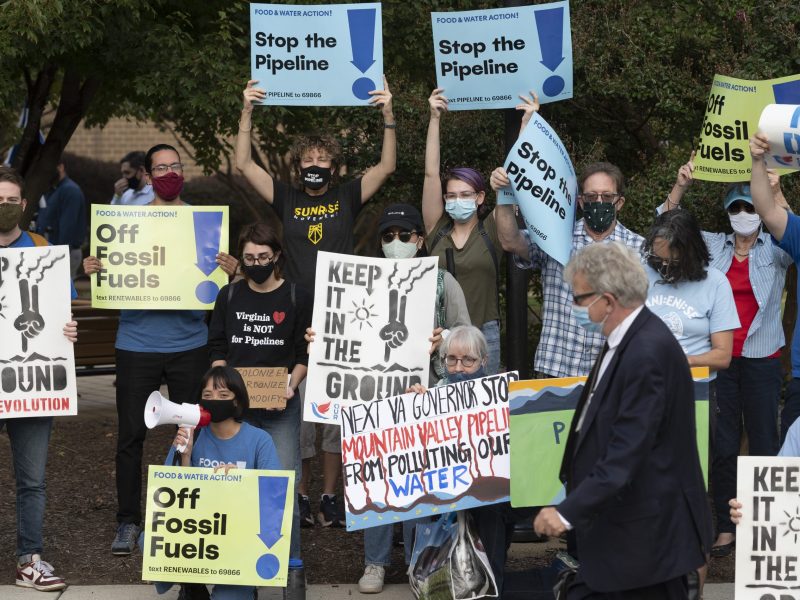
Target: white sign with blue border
[
  {"x": 486, "y": 58},
  {"x": 321, "y": 55}
]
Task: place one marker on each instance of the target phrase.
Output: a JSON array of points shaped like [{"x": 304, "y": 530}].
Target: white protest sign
[
  {"x": 544, "y": 185},
  {"x": 372, "y": 320},
  {"x": 781, "y": 124},
  {"x": 37, "y": 364},
  {"x": 418, "y": 455},
  {"x": 768, "y": 534},
  {"x": 321, "y": 55}
]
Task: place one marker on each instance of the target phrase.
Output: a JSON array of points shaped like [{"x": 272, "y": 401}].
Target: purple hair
[{"x": 469, "y": 176}]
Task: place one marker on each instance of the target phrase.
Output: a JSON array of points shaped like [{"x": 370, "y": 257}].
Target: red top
[{"x": 746, "y": 305}]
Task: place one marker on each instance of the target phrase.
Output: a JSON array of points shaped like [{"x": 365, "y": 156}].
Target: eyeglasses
[
  {"x": 403, "y": 236},
  {"x": 609, "y": 197},
  {"x": 736, "y": 207},
  {"x": 450, "y": 196},
  {"x": 656, "y": 259},
  {"x": 466, "y": 361},
  {"x": 160, "y": 170},
  {"x": 578, "y": 298},
  {"x": 262, "y": 259}
]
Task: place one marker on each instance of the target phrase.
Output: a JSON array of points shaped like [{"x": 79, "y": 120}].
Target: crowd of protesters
[{"x": 718, "y": 293}]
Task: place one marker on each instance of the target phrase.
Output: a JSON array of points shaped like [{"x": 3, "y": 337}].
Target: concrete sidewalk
[{"x": 713, "y": 591}]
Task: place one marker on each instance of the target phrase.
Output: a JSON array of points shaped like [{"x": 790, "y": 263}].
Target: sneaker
[
  {"x": 125, "y": 540},
  {"x": 371, "y": 581},
  {"x": 330, "y": 513},
  {"x": 39, "y": 575},
  {"x": 306, "y": 520}
]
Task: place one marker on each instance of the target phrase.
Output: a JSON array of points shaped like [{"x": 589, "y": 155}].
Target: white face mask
[
  {"x": 398, "y": 249},
  {"x": 745, "y": 223}
]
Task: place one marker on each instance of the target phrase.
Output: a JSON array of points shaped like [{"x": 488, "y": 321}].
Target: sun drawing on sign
[
  {"x": 793, "y": 524},
  {"x": 362, "y": 314}
]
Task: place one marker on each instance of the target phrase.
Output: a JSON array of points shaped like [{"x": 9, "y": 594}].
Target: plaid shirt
[{"x": 565, "y": 348}]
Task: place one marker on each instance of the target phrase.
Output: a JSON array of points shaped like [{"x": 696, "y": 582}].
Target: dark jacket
[{"x": 635, "y": 492}]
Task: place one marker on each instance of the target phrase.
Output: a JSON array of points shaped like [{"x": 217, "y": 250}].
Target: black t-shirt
[
  {"x": 260, "y": 329},
  {"x": 314, "y": 223}
]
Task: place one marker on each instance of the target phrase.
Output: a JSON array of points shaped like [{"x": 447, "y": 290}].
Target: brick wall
[{"x": 119, "y": 137}]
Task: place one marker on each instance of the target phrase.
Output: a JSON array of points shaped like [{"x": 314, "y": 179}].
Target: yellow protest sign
[
  {"x": 158, "y": 257},
  {"x": 204, "y": 526},
  {"x": 732, "y": 112},
  {"x": 266, "y": 386}
]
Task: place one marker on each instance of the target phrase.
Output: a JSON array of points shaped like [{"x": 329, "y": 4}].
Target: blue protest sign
[
  {"x": 322, "y": 55},
  {"x": 544, "y": 185},
  {"x": 486, "y": 58}
]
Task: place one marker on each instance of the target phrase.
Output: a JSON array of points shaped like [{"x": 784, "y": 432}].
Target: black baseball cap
[{"x": 404, "y": 216}]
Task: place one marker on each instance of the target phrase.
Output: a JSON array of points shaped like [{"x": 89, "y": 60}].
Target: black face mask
[
  {"x": 133, "y": 182},
  {"x": 665, "y": 270},
  {"x": 219, "y": 409},
  {"x": 599, "y": 216},
  {"x": 315, "y": 178},
  {"x": 258, "y": 273}
]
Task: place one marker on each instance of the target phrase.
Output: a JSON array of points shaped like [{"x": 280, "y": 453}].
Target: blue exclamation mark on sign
[
  {"x": 271, "y": 501},
  {"x": 550, "y": 26},
  {"x": 362, "y": 44},
  {"x": 207, "y": 235}
]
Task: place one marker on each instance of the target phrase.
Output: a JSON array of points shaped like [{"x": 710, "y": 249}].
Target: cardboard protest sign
[
  {"x": 544, "y": 185},
  {"x": 732, "y": 114},
  {"x": 486, "y": 58},
  {"x": 266, "y": 386},
  {"x": 37, "y": 364},
  {"x": 321, "y": 55},
  {"x": 205, "y": 526},
  {"x": 418, "y": 455},
  {"x": 541, "y": 412},
  {"x": 372, "y": 318},
  {"x": 158, "y": 257},
  {"x": 781, "y": 124},
  {"x": 767, "y": 535}
]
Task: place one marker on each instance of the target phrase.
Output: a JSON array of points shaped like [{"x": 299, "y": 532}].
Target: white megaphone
[{"x": 162, "y": 411}]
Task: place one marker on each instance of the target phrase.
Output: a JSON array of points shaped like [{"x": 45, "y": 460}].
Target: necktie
[{"x": 591, "y": 384}]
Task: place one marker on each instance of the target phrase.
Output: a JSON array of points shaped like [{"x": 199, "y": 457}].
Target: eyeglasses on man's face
[
  {"x": 607, "y": 197},
  {"x": 159, "y": 170}
]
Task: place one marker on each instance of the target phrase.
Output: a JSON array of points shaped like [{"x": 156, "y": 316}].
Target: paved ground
[{"x": 716, "y": 591}]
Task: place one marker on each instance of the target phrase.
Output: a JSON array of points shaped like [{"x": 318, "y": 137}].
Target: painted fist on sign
[
  {"x": 395, "y": 332},
  {"x": 29, "y": 322}
]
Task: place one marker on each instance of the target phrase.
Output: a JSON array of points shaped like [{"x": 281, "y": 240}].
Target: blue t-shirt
[
  {"x": 791, "y": 447},
  {"x": 251, "y": 448},
  {"x": 791, "y": 244},
  {"x": 26, "y": 241},
  {"x": 693, "y": 310},
  {"x": 161, "y": 330}
]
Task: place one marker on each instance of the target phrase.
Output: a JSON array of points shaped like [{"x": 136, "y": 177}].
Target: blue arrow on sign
[
  {"x": 207, "y": 233},
  {"x": 272, "y": 499},
  {"x": 550, "y": 26},
  {"x": 362, "y": 37}
]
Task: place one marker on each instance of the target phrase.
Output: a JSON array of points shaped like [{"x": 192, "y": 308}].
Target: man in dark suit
[{"x": 635, "y": 493}]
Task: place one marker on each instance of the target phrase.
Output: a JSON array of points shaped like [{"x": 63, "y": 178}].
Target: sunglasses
[
  {"x": 404, "y": 236},
  {"x": 736, "y": 207}
]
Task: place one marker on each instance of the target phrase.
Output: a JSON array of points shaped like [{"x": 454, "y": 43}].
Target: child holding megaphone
[{"x": 226, "y": 443}]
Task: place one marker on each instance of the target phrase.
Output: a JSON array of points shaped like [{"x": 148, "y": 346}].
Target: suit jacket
[{"x": 635, "y": 491}]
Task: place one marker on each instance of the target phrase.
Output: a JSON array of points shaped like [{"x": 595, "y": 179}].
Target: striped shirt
[
  {"x": 565, "y": 348},
  {"x": 768, "y": 264}
]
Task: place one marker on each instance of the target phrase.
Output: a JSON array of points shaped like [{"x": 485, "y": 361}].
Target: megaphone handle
[{"x": 181, "y": 448}]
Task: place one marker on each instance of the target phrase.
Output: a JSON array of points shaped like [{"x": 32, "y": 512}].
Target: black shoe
[
  {"x": 193, "y": 591},
  {"x": 306, "y": 520},
  {"x": 723, "y": 550},
  {"x": 330, "y": 513}
]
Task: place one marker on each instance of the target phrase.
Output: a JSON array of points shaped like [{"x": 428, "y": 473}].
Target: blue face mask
[
  {"x": 461, "y": 211},
  {"x": 581, "y": 316},
  {"x": 464, "y": 376}
]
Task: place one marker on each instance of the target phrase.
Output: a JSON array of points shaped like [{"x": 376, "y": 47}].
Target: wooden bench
[{"x": 97, "y": 333}]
